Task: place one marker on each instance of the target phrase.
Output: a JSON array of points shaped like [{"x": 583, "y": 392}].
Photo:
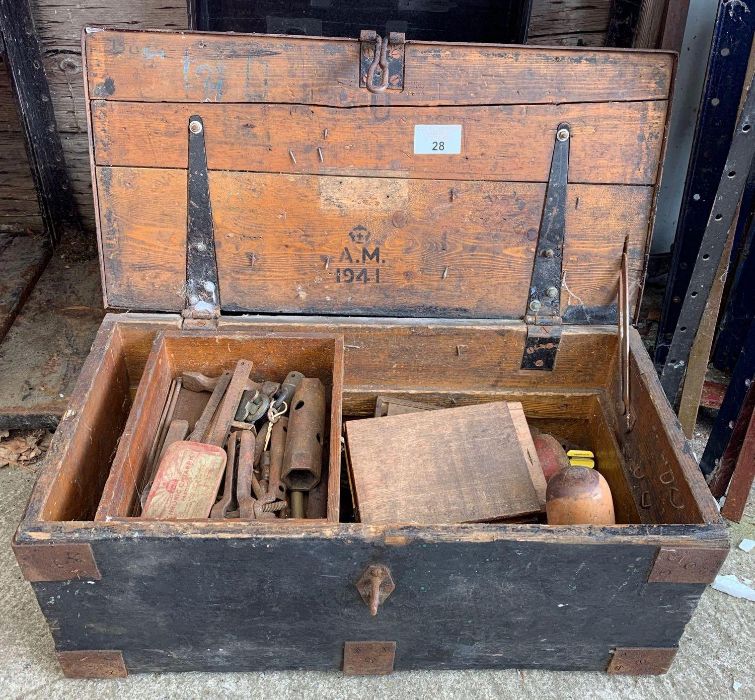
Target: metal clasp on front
[
  {"x": 381, "y": 61},
  {"x": 375, "y": 585}
]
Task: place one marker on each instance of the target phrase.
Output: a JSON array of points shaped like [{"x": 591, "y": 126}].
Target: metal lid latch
[{"x": 381, "y": 61}]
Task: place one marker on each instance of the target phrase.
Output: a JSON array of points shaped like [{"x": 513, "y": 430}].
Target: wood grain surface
[
  {"x": 513, "y": 142},
  {"x": 455, "y": 465},
  {"x": 320, "y": 204},
  {"x": 462, "y": 249},
  {"x": 197, "y": 67}
]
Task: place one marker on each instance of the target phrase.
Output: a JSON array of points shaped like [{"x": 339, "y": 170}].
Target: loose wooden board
[
  {"x": 455, "y": 465},
  {"x": 391, "y": 406}
]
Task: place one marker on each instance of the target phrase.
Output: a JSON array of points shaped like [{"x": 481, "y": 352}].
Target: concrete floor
[{"x": 715, "y": 656}]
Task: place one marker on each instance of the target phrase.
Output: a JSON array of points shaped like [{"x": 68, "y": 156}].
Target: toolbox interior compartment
[
  {"x": 172, "y": 354},
  {"x": 577, "y": 401}
]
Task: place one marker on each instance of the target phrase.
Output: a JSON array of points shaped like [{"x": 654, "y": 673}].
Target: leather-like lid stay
[{"x": 327, "y": 199}]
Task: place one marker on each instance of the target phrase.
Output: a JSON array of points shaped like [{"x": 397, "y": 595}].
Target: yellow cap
[
  {"x": 580, "y": 453},
  {"x": 582, "y": 462}
]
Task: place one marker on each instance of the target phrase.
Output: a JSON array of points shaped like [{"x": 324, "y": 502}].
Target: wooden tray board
[{"x": 455, "y": 465}]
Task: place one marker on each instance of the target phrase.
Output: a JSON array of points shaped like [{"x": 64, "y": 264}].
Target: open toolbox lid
[{"x": 330, "y": 196}]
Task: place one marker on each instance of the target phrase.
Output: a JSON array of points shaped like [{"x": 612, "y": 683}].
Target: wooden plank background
[
  {"x": 204, "y": 67},
  {"x": 59, "y": 25},
  {"x": 320, "y": 205},
  {"x": 19, "y": 207}
]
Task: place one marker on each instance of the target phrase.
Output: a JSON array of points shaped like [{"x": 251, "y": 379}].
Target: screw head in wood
[
  {"x": 195, "y": 126},
  {"x": 562, "y": 134}
]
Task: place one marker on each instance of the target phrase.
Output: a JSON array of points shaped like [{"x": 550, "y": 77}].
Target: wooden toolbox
[{"x": 462, "y": 224}]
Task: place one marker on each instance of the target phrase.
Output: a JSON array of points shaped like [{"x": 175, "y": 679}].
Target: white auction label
[{"x": 437, "y": 139}]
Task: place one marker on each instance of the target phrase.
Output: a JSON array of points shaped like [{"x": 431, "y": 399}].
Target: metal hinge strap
[
  {"x": 202, "y": 289},
  {"x": 543, "y": 313}
]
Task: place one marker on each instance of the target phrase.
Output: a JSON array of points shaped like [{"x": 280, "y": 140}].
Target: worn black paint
[
  {"x": 24, "y": 58},
  {"x": 202, "y": 286},
  {"x": 741, "y": 379},
  {"x": 279, "y": 603},
  {"x": 727, "y": 66},
  {"x": 722, "y": 217},
  {"x": 623, "y": 19},
  {"x": 739, "y": 313}
]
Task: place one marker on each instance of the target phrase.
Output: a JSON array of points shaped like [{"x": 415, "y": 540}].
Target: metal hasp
[
  {"x": 543, "y": 314},
  {"x": 725, "y": 207},
  {"x": 202, "y": 290},
  {"x": 381, "y": 61},
  {"x": 375, "y": 585},
  {"x": 725, "y": 79}
]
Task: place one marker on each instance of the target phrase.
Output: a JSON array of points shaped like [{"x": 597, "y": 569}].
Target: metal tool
[
  {"x": 218, "y": 433},
  {"x": 224, "y": 506},
  {"x": 194, "y": 462},
  {"x": 157, "y": 444},
  {"x": 196, "y": 381},
  {"x": 269, "y": 388},
  {"x": 254, "y": 504},
  {"x": 253, "y": 405},
  {"x": 276, "y": 486},
  {"x": 287, "y": 390},
  {"x": 302, "y": 460},
  {"x": 201, "y": 426}
]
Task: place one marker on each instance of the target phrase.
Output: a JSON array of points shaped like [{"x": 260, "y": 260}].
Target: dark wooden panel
[
  {"x": 568, "y": 22},
  {"x": 19, "y": 207},
  {"x": 59, "y": 29},
  {"x": 195, "y": 67},
  {"x": 465, "y": 20},
  {"x": 24, "y": 58},
  {"x": 166, "y": 613},
  {"x": 462, "y": 249},
  {"x": 499, "y": 143}
]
